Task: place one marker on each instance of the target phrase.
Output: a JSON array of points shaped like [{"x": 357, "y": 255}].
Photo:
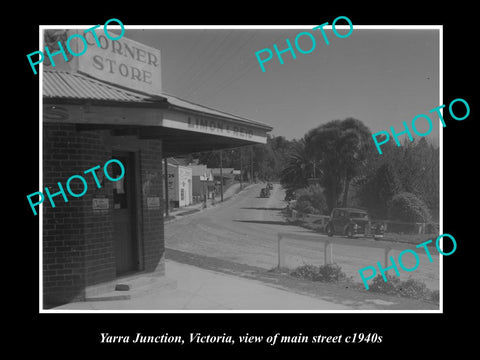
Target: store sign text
[
  {"x": 214, "y": 126},
  {"x": 126, "y": 62}
]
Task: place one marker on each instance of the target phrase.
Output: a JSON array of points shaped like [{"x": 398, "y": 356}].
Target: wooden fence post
[
  {"x": 281, "y": 254},
  {"x": 327, "y": 250},
  {"x": 387, "y": 253}
]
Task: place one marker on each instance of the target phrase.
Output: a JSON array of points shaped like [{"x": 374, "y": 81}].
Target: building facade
[
  {"x": 116, "y": 228},
  {"x": 179, "y": 185}
]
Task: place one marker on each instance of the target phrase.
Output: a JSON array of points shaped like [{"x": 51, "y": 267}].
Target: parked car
[
  {"x": 353, "y": 222},
  {"x": 289, "y": 195},
  {"x": 265, "y": 192}
]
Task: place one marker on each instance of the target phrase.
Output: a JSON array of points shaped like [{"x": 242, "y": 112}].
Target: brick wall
[
  {"x": 152, "y": 186},
  {"x": 78, "y": 244}
]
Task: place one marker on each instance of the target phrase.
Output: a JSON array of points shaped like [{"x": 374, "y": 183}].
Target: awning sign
[{"x": 213, "y": 126}]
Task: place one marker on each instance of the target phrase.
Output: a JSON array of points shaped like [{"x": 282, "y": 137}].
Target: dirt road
[{"x": 244, "y": 230}]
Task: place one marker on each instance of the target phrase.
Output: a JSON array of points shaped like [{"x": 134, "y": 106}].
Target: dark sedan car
[
  {"x": 352, "y": 222},
  {"x": 265, "y": 192}
]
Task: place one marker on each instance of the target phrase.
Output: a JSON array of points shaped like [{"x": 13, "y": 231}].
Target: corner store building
[{"x": 91, "y": 116}]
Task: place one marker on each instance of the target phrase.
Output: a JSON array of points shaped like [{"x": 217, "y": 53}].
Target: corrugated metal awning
[
  {"x": 187, "y": 105},
  {"x": 74, "y": 86},
  {"x": 67, "y": 85}
]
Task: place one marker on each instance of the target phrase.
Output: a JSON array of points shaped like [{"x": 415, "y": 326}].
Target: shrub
[
  {"x": 408, "y": 207},
  {"x": 432, "y": 228},
  {"x": 331, "y": 273},
  {"x": 434, "y": 296},
  {"x": 412, "y": 288},
  {"x": 409, "y": 288},
  {"x": 323, "y": 273},
  {"x": 309, "y": 272},
  {"x": 386, "y": 287},
  {"x": 314, "y": 197},
  {"x": 304, "y": 206}
]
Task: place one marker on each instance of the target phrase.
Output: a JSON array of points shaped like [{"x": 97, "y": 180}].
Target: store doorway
[{"x": 124, "y": 210}]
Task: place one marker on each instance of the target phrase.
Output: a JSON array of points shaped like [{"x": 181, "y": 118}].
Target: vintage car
[
  {"x": 265, "y": 192},
  {"x": 352, "y": 222}
]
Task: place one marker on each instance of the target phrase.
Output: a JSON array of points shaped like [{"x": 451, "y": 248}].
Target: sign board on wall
[
  {"x": 100, "y": 204},
  {"x": 122, "y": 62},
  {"x": 153, "y": 203}
]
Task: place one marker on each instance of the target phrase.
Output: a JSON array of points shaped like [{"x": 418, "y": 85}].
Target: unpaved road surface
[{"x": 244, "y": 229}]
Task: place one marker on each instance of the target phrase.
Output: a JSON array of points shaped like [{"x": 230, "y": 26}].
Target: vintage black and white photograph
[{"x": 241, "y": 168}]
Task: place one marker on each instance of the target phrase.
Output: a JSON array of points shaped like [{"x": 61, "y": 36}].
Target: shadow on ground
[
  {"x": 263, "y": 208},
  {"x": 268, "y": 222}
]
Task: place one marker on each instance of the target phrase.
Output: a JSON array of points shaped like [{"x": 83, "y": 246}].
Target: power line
[
  {"x": 215, "y": 54},
  {"x": 227, "y": 59},
  {"x": 191, "y": 50},
  {"x": 241, "y": 73},
  {"x": 184, "y": 79}
]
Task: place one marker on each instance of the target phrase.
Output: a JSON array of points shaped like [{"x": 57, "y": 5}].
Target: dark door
[{"x": 124, "y": 209}]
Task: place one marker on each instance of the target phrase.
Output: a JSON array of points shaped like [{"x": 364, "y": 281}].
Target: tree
[
  {"x": 267, "y": 158},
  {"x": 417, "y": 164},
  {"x": 298, "y": 168},
  {"x": 408, "y": 207},
  {"x": 340, "y": 148},
  {"x": 377, "y": 188},
  {"x": 311, "y": 200},
  {"x": 281, "y": 148}
]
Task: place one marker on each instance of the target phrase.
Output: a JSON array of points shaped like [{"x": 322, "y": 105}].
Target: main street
[{"x": 244, "y": 230}]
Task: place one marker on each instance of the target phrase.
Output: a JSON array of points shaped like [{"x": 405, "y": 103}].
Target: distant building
[
  {"x": 202, "y": 182},
  {"x": 227, "y": 177},
  {"x": 179, "y": 183}
]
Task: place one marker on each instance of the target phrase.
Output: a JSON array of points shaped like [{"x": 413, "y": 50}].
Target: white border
[{"x": 243, "y": 27}]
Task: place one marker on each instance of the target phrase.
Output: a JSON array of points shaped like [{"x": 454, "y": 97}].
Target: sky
[{"x": 379, "y": 76}]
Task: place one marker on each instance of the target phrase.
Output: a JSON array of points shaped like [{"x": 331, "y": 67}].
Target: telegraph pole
[
  {"x": 251, "y": 160},
  {"x": 241, "y": 168},
  {"x": 166, "y": 187},
  {"x": 221, "y": 177}
]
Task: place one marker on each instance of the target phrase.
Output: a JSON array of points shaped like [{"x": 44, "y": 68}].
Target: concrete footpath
[{"x": 190, "y": 288}]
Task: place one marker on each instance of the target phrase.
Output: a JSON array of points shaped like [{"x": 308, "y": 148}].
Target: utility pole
[
  {"x": 221, "y": 177},
  {"x": 251, "y": 160},
  {"x": 204, "y": 192},
  {"x": 166, "y": 187},
  {"x": 241, "y": 168}
]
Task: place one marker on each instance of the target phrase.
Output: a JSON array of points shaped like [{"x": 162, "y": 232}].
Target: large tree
[
  {"x": 412, "y": 167},
  {"x": 377, "y": 187},
  {"x": 297, "y": 169},
  {"x": 339, "y": 147},
  {"x": 265, "y": 159}
]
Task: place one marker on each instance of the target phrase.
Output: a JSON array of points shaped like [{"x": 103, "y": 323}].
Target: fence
[
  {"x": 410, "y": 228},
  {"x": 320, "y": 221},
  {"x": 327, "y": 247}
]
